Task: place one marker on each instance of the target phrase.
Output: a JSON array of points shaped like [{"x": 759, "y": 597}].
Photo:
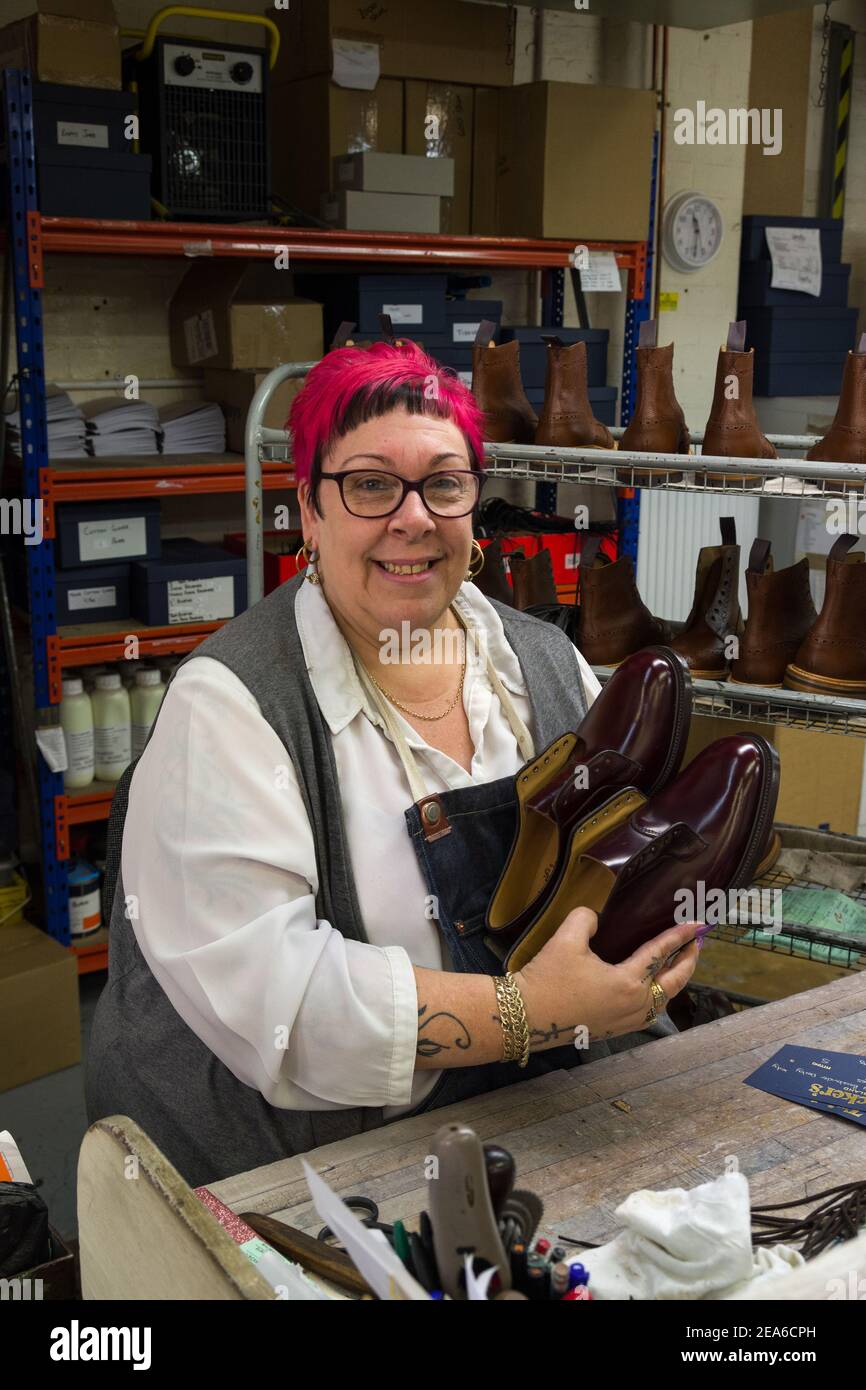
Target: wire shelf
[
  {"x": 753, "y": 704},
  {"x": 780, "y": 477},
  {"x": 845, "y": 950}
]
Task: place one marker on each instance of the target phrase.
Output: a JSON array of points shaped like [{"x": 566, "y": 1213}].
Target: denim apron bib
[{"x": 461, "y": 838}]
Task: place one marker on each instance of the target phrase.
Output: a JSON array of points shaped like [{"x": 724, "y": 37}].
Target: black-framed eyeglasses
[{"x": 371, "y": 492}]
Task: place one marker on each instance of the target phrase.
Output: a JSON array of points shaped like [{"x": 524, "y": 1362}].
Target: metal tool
[
  {"x": 367, "y": 1213},
  {"x": 461, "y": 1210}
]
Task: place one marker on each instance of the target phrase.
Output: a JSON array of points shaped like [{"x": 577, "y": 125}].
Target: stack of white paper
[
  {"x": 65, "y": 423},
  {"x": 193, "y": 427},
  {"x": 121, "y": 427}
]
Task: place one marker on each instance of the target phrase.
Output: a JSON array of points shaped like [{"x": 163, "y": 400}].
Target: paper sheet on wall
[
  {"x": 796, "y": 256},
  {"x": 356, "y": 65},
  {"x": 602, "y": 275}
]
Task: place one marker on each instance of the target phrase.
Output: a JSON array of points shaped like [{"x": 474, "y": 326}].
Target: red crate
[{"x": 280, "y": 554}]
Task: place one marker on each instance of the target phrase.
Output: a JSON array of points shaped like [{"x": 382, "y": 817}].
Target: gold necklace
[{"x": 428, "y": 718}]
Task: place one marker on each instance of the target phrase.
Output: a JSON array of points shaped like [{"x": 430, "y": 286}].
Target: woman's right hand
[{"x": 567, "y": 985}]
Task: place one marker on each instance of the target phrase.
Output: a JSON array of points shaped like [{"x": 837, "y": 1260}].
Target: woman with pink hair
[{"x": 325, "y": 805}]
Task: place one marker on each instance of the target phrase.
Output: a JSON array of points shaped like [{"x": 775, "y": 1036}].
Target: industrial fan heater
[{"x": 203, "y": 120}]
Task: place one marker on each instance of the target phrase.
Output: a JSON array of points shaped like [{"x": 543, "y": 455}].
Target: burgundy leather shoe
[
  {"x": 634, "y": 858},
  {"x": 633, "y": 735}
]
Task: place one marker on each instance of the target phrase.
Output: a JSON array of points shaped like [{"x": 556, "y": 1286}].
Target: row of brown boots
[
  {"x": 782, "y": 642},
  {"x": 658, "y": 424}
]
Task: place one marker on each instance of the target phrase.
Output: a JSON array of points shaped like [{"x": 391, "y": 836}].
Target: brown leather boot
[
  {"x": 566, "y": 420},
  {"x": 845, "y": 441},
  {"x": 532, "y": 579},
  {"x": 613, "y": 620},
  {"x": 781, "y": 612},
  {"x": 732, "y": 429},
  {"x": 832, "y": 658},
  {"x": 498, "y": 389},
  {"x": 658, "y": 425},
  {"x": 491, "y": 579},
  {"x": 715, "y": 614}
]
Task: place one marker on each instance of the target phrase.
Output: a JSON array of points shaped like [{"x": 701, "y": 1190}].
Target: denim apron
[{"x": 461, "y": 838}]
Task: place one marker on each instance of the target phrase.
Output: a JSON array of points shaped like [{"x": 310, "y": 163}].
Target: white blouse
[{"x": 219, "y": 854}]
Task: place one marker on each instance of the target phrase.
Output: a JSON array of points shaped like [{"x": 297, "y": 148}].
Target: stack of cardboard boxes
[
  {"x": 76, "y": 42},
  {"x": 435, "y": 78},
  {"x": 390, "y": 80}
]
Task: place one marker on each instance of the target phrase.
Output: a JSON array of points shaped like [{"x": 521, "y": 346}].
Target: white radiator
[{"x": 673, "y": 527}]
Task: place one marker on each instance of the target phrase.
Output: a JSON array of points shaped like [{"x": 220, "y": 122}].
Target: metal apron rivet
[{"x": 432, "y": 813}]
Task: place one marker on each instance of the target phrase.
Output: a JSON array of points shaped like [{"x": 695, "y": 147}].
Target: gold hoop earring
[
  {"x": 311, "y": 558},
  {"x": 476, "y": 558}
]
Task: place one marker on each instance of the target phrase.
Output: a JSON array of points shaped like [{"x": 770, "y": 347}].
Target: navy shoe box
[
  {"x": 96, "y": 533},
  {"x": 463, "y": 319},
  {"x": 533, "y": 352},
  {"x": 68, "y": 117},
  {"x": 753, "y": 246},
  {"x": 459, "y": 359},
  {"x": 755, "y": 289},
  {"x": 92, "y": 593},
  {"x": 192, "y": 583},
  {"x": 800, "y": 329},
  {"x": 798, "y": 373},
  {"x": 94, "y": 183},
  {"x": 416, "y": 303},
  {"x": 601, "y": 398}
]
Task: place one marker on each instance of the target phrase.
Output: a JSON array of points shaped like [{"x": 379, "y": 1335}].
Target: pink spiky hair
[{"x": 371, "y": 377}]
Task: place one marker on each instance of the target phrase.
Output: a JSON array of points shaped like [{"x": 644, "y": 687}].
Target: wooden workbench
[{"x": 672, "y": 1113}]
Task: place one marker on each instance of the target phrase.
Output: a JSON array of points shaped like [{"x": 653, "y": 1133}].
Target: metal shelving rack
[{"x": 30, "y": 238}]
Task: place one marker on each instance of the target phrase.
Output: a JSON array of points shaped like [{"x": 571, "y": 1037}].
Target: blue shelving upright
[{"x": 24, "y": 246}]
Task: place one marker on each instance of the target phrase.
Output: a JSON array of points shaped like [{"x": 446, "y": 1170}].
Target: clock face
[{"x": 692, "y": 232}]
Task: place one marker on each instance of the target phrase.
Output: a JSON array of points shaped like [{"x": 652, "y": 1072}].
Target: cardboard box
[
  {"x": 314, "y": 120},
  {"x": 237, "y": 314},
  {"x": 437, "y": 121},
  {"x": 484, "y": 212},
  {"x": 574, "y": 161},
  {"x": 234, "y": 391},
  {"x": 821, "y": 774},
  {"x": 444, "y": 40},
  {"x": 381, "y": 212},
  {"x": 76, "y": 42},
  {"x": 372, "y": 171},
  {"x": 39, "y": 1017}
]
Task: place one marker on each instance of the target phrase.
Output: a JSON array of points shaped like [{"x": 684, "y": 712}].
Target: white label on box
[
  {"x": 105, "y": 597},
  {"x": 200, "y": 334},
  {"x": 796, "y": 256},
  {"x": 201, "y": 600},
  {"x": 465, "y": 377},
  {"x": 404, "y": 313},
  {"x": 572, "y": 562},
  {"x": 356, "y": 65},
  {"x": 77, "y": 133},
  {"x": 602, "y": 275},
  {"x": 464, "y": 332},
  {"x": 106, "y": 540}
]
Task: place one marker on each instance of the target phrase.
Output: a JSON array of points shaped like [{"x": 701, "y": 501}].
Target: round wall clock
[{"x": 692, "y": 230}]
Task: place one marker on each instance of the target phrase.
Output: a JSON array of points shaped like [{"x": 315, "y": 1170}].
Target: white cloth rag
[{"x": 685, "y": 1245}]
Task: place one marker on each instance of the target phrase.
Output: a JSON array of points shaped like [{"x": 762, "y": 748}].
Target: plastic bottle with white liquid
[
  {"x": 145, "y": 700},
  {"x": 76, "y": 720},
  {"x": 112, "y": 727}
]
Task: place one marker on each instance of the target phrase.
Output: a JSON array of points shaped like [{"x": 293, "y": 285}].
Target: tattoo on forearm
[
  {"x": 539, "y": 1036},
  {"x": 429, "y": 1046}
]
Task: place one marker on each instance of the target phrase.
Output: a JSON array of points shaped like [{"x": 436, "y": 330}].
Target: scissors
[{"x": 367, "y": 1212}]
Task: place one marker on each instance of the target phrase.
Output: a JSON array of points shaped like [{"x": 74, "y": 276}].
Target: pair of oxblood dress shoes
[{"x": 608, "y": 821}]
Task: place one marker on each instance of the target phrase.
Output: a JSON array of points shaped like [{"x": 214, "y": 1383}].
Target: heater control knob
[
  {"x": 242, "y": 72},
  {"x": 184, "y": 65}
]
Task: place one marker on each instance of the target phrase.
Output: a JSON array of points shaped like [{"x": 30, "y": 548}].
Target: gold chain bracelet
[{"x": 512, "y": 1016}]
